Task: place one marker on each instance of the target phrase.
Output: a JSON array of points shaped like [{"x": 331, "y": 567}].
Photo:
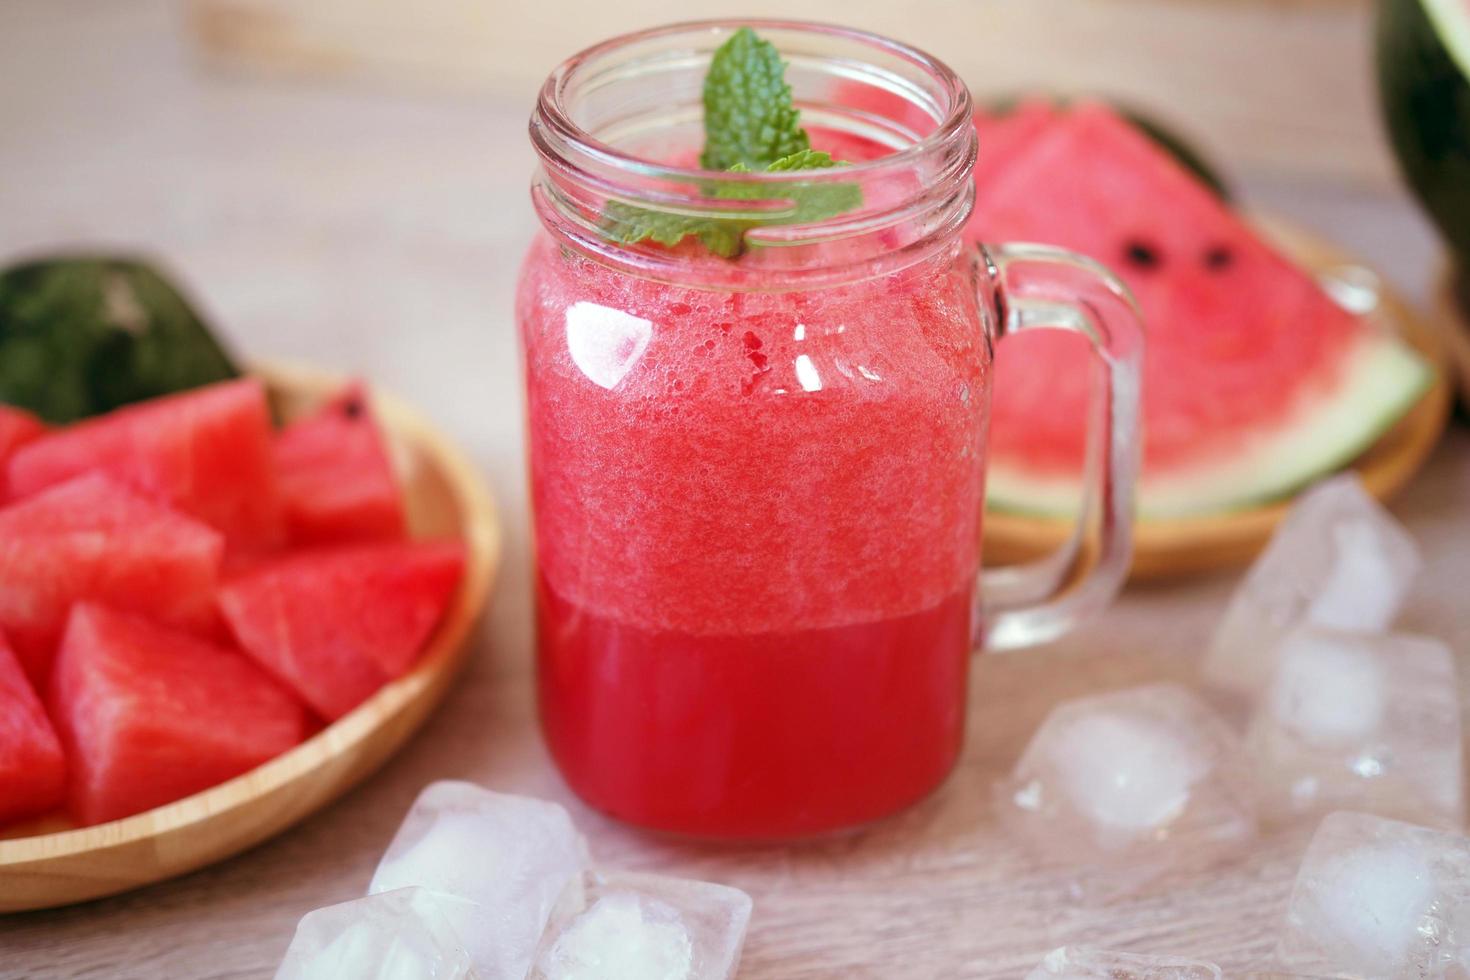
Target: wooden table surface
[{"x": 381, "y": 233}]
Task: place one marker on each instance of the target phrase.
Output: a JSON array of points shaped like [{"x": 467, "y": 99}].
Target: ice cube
[
  {"x": 1085, "y": 963},
  {"x": 1361, "y": 722},
  {"x": 1129, "y": 784},
  {"x": 1339, "y": 561},
  {"x": 1379, "y": 898},
  {"x": 623, "y": 926},
  {"x": 397, "y": 935},
  {"x": 507, "y": 857}
]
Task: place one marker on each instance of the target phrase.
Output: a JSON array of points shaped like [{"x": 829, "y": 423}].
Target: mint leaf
[
  {"x": 810, "y": 202},
  {"x": 750, "y": 123},
  {"x": 803, "y": 160},
  {"x": 749, "y": 116},
  {"x": 627, "y": 224}
]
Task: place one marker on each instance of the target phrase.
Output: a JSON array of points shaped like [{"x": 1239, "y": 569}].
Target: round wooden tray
[
  {"x": 1166, "y": 548},
  {"x": 55, "y": 865}
]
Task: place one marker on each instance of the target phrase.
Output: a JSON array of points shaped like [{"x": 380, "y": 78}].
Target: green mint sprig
[
  {"x": 749, "y": 116},
  {"x": 751, "y": 124}
]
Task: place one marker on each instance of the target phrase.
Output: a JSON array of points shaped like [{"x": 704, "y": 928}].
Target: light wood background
[
  {"x": 379, "y": 231},
  {"x": 1283, "y": 85}
]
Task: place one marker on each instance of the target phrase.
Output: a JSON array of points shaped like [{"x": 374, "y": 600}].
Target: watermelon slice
[
  {"x": 32, "y": 767},
  {"x": 149, "y": 715},
  {"x": 335, "y": 624},
  {"x": 1255, "y": 381},
  {"x": 206, "y": 452},
  {"x": 93, "y": 538},
  {"x": 336, "y": 481}
]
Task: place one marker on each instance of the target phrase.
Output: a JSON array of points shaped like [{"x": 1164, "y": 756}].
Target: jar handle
[{"x": 1037, "y": 287}]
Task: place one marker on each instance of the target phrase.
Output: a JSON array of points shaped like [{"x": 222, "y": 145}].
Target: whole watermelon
[
  {"x": 1424, "y": 85},
  {"x": 82, "y": 335}
]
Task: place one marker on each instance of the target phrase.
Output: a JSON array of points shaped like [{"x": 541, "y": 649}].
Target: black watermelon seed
[
  {"x": 1142, "y": 255},
  {"x": 1218, "y": 258}
]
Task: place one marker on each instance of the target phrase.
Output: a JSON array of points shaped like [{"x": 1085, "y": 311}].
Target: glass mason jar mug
[{"x": 757, "y": 479}]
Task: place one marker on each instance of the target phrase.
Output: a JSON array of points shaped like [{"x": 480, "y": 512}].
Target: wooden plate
[
  {"x": 55, "y": 865},
  {"x": 1454, "y": 329},
  {"x": 1164, "y": 548}
]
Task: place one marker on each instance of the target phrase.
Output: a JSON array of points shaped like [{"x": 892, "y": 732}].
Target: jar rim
[
  {"x": 914, "y": 198},
  {"x": 551, "y": 101}
]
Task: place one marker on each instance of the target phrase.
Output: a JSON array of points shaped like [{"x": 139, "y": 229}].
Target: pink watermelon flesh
[
  {"x": 149, "y": 715},
  {"x": 206, "y": 452},
  {"x": 93, "y": 538},
  {"x": 1241, "y": 342},
  {"x": 335, "y": 479},
  {"x": 335, "y": 624},
  {"x": 17, "y": 427},
  {"x": 32, "y": 766},
  {"x": 1001, "y": 136}
]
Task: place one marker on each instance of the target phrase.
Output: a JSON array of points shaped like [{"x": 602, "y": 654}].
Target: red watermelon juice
[{"x": 756, "y": 524}]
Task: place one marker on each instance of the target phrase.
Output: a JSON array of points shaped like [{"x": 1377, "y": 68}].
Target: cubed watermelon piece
[
  {"x": 17, "y": 427},
  {"x": 149, "y": 715},
  {"x": 206, "y": 452},
  {"x": 93, "y": 538},
  {"x": 336, "y": 481},
  {"x": 336, "y": 623},
  {"x": 32, "y": 766}
]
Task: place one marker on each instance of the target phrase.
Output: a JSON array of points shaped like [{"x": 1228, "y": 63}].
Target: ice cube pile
[
  {"x": 1342, "y": 715},
  {"x": 478, "y": 885},
  {"x": 1334, "y": 712},
  {"x": 1339, "y": 561}
]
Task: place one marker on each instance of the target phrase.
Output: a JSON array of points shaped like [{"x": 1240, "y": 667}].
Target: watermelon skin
[
  {"x": 335, "y": 624},
  {"x": 32, "y": 766},
  {"x": 206, "y": 452},
  {"x": 1423, "y": 58},
  {"x": 93, "y": 538},
  {"x": 149, "y": 715},
  {"x": 335, "y": 478},
  {"x": 1254, "y": 380}
]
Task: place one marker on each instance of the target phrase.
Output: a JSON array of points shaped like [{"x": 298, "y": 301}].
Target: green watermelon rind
[
  {"x": 1451, "y": 20},
  {"x": 1385, "y": 378},
  {"x": 1423, "y": 59}
]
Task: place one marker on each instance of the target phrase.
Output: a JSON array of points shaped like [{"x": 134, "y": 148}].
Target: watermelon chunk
[
  {"x": 150, "y": 715},
  {"x": 1255, "y": 381},
  {"x": 17, "y": 427},
  {"x": 32, "y": 766},
  {"x": 335, "y": 624},
  {"x": 93, "y": 538},
  {"x": 336, "y": 481},
  {"x": 206, "y": 452}
]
